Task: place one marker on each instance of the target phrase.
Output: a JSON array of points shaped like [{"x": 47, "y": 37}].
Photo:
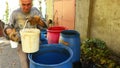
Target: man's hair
[{"x": 20, "y": 1}]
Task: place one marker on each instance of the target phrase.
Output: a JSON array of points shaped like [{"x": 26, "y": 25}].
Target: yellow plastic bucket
[{"x": 30, "y": 39}]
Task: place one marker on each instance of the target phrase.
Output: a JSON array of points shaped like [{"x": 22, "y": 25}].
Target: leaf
[
  {"x": 103, "y": 61},
  {"x": 111, "y": 65}
]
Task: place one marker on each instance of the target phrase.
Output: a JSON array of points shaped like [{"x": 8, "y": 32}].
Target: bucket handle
[{"x": 25, "y": 24}]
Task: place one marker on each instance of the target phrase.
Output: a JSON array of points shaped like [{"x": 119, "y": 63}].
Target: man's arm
[
  {"x": 9, "y": 27},
  {"x": 39, "y": 13}
]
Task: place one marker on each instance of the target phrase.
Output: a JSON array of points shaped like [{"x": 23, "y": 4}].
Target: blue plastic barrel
[
  {"x": 43, "y": 38},
  {"x": 51, "y": 56},
  {"x": 71, "y": 38}
]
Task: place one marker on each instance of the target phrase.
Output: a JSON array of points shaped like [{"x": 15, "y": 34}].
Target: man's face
[{"x": 26, "y": 5}]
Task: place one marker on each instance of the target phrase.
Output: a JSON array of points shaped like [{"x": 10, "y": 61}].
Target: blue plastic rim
[
  {"x": 51, "y": 55},
  {"x": 43, "y": 34},
  {"x": 69, "y": 33},
  {"x": 43, "y": 37}
]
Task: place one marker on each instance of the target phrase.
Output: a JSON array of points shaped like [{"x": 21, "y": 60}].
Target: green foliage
[
  {"x": 96, "y": 51},
  {"x": 40, "y": 8},
  {"x": 7, "y": 12}
]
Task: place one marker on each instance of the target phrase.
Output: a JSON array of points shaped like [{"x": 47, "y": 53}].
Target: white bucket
[
  {"x": 13, "y": 44},
  {"x": 30, "y": 39}
]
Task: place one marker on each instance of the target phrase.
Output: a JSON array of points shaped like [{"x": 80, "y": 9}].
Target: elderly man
[{"x": 17, "y": 22}]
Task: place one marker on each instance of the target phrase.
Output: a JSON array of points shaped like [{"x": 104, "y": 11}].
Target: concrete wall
[
  {"x": 82, "y": 14},
  {"x": 99, "y": 19},
  {"x": 106, "y": 22}
]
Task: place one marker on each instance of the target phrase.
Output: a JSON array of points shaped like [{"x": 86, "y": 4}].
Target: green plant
[
  {"x": 40, "y": 7},
  {"x": 95, "y": 51},
  {"x": 7, "y": 12}
]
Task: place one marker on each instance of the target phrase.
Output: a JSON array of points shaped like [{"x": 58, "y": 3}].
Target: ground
[{"x": 8, "y": 55}]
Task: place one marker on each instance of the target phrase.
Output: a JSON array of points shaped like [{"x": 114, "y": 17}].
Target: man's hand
[
  {"x": 37, "y": 20},
  {"x": 12, "y": 34}
]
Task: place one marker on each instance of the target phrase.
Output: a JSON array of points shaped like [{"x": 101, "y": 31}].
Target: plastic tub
[{"x": 51, "y": 56}]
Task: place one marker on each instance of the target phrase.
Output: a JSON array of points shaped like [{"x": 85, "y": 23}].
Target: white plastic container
[
  {"x": 30, "y": 39},
  {"x": 13, "y": 44}
]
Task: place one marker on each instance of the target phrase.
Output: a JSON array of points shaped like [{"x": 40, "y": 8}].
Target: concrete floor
[{"x": 8, "y": 55}]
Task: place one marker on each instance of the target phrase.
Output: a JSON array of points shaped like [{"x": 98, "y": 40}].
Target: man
[{"x": 17, "y": 21}]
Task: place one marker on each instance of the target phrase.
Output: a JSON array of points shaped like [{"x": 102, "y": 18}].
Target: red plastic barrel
[{"x": 53, "y": 34}]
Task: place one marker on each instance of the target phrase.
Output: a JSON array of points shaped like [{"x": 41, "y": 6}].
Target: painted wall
[
  {"x": 64, "y": 16},
  {"x": 49, "y": 9}
]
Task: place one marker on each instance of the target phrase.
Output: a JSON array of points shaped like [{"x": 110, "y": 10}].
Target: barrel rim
[
  {"x": 76, "y": 34},
  {"x": 56, "y": 29},
  {"x": 58, "y": 45}
]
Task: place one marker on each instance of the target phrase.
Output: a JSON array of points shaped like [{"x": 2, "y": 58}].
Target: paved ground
[{"x": 8, "y": 55}]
